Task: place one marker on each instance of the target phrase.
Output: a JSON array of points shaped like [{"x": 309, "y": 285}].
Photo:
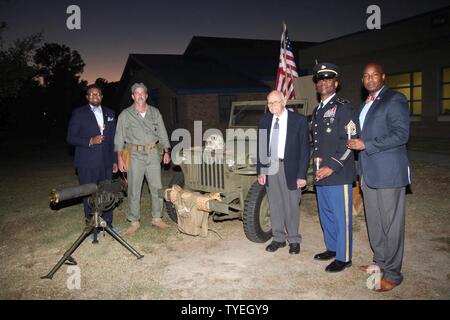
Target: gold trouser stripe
[{"x": 347, "y": 242}]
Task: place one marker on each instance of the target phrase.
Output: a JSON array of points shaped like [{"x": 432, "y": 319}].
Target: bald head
[
  {"x": 276, "y": 103},
  {"x": 376, "y": 66},
  {"x": 275, "y": 94},
  {"x": 373, "y": 77}
]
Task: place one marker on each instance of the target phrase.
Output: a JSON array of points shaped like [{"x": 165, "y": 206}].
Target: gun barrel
[{"x": 71, "y": 193}]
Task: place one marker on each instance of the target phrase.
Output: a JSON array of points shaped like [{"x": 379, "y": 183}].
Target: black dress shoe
[
  {"x": 275, "y": 245},
  {"x": 337, "y": 266},
  {"x": 327, "y": 255},
  {"x": 294, "y": 248}
]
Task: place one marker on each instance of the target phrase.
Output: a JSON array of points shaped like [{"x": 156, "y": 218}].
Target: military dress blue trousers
[{"x": 335, "y": 213}]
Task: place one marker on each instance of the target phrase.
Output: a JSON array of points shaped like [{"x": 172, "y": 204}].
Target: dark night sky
[{"x": 110, "y": 30}]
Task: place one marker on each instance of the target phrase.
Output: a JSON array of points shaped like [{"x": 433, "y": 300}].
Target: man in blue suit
[
  {"x": 91, "y": 131},
  {"x": 384, "y": 171},
  {"x": 282, "y": 163}
]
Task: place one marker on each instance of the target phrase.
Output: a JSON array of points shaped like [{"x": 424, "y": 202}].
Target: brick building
[{"x": 202, "y": 83}]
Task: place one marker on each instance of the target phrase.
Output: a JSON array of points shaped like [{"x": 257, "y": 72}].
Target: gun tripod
[{"x": 95, "y": 224}]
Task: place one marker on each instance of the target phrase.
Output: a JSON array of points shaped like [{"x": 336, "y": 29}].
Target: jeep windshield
[{"x": 247, "y": 115}]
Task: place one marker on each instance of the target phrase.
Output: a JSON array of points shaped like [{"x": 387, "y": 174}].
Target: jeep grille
[{"x": 206, "y": 176}]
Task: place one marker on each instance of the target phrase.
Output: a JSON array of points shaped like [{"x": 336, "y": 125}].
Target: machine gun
[{"x": 103, "y": 197}]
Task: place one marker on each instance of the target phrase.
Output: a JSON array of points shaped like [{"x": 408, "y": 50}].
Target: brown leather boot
[
  {"x": 385, "y": 285},
  {"x": 134, "y": 226},
  {"x": 157, "y": 222}
]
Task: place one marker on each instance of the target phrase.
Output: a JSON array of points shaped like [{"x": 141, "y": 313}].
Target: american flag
[{"x": 287, "y": 70}]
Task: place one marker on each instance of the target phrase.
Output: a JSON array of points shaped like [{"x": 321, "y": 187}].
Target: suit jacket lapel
[
  {"x": 268, "y": 128},
  {"x": 92, "y": 117},
  {"x": 105, "y": 118},
  {"x": 373, "y": 107},
  {"x": 361, "y": 108},
  {"x": 316, "y": 111},
  {"x": 330, "y": 103},
  {"x": 327, "y": 107},
  {"x": 288, "y": 136}
]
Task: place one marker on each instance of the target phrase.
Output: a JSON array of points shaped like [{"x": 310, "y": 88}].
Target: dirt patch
[{"x": 177, "y": 266}]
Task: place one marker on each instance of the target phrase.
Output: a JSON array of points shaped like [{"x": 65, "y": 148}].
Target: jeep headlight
[
  {"x": 214, "y": 142},
  {"x": 231, "y": 164}
]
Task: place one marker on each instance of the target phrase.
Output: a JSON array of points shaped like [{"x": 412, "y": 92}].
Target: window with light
[{"x": 410, "y": 84}]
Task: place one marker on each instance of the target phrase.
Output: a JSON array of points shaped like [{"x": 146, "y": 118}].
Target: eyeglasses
[
  {"x": 96, "y": 94},
  {"x": 273, "y": 102}
]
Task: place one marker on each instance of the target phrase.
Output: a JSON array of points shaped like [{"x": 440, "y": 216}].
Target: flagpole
[{"x": 284, "y": 54}]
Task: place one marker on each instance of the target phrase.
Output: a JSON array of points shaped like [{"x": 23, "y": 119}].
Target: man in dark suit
[
  {"x": 384, "y": 171},
  {"x": 282, "y": 163},
  {"x": 91, "y": 131},
  {"x": 333, "y": 122}
]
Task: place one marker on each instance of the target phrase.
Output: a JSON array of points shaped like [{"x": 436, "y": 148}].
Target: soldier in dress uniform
[{"x": 333, "y": 123}]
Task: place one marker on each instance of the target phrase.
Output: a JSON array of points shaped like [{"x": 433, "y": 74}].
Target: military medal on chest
[
  {"x": 330, "y": 112},
  {"x": 329, "y": 117}
]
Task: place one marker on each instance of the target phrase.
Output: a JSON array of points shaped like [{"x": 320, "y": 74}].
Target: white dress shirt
[
  {"x": 99, "y": 116},
  {"x": 282, "y": 122},
  {"x": 326, "y": 101},
  {"x": 366, "y": 108}
]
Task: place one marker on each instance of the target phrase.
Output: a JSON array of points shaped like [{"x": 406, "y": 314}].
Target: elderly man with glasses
[{"x": 282, "y": 163}]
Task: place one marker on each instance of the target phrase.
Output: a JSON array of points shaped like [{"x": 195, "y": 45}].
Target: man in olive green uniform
[{"x": 140, "y": 128}]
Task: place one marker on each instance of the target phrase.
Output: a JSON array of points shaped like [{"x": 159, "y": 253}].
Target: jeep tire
[{"x": 256, "y": 215}]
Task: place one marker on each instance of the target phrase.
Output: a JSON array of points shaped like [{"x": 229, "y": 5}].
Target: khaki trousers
[{"x": 143, "y": 165}]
